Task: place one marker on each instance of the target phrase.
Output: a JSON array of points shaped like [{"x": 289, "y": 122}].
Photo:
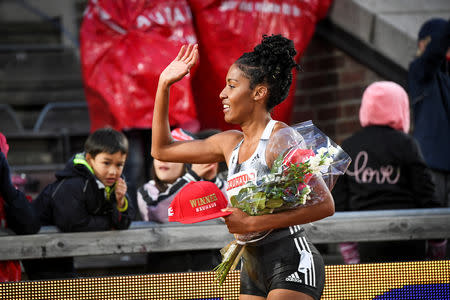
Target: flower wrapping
[{"x": 296, "y": 154}]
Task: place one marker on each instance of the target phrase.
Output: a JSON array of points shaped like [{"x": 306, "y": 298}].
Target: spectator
[
  {"x": 429, "y": 92},
  {"x": 88, "y": 195},
  {"x": 16, "y": 213},
  {"x": 168, "y": 178},
  {"x": 387, "y": 171},
  {"x": 155, "y": 196}
]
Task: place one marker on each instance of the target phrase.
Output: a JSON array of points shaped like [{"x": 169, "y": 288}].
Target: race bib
[{"x": 236, "y": 181}]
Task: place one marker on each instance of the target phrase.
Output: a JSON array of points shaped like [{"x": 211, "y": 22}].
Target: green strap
[
  {"x": 125, "y": 207},
  {"x": 109, "y": 190},
  {"x": 81, "y": 160}
]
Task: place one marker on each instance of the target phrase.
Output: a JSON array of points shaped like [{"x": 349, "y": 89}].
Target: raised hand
[{"x": 180, "y": 66}]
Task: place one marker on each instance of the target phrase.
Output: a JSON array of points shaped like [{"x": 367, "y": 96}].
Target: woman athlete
[{"x": 283, "y": 264}]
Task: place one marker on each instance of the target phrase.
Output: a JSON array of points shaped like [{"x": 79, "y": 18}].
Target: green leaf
[
  {"x": 234, "y": 201},
  {"x": 260, "y": 200},
  {"x": 274, "y": 203},
  {"x": 277, "y": 164},
  {"x": 242, "y": 195}
]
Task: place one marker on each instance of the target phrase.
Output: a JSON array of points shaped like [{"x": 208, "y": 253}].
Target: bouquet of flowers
[{"x": 299, "y": 153}]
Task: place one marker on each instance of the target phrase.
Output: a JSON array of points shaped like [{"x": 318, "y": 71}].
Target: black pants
[{"x": 285, "y": 259}]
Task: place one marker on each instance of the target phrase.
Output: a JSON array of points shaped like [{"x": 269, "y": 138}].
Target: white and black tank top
[
  {"x": 249, "y": 170},
  {"x": 253, "y": 167}
]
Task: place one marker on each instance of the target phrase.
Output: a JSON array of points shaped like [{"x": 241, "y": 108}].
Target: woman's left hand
[{"x": 238, "y": 221}]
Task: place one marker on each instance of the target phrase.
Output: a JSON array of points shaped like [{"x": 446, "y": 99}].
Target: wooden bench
[{"x": 145, "y": 237}]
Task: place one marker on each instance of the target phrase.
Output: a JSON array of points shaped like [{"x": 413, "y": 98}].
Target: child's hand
[
  {"x": 120, "y": 191},
  {"x": 180, "y": 66}
]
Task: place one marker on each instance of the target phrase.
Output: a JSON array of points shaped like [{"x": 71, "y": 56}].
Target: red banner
[
  {"x": 227, "y": 29},
  {"x": 124, "y": 47}
]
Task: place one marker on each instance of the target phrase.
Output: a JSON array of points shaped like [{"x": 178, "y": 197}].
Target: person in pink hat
[
  {"x": 387, "y": 172},
  {"x": 286, "y": 265}
]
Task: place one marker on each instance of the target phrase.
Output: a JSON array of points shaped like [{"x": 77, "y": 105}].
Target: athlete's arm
[
  {"x": 164, "y": 147},
  {"x": 239, "y": 222}
]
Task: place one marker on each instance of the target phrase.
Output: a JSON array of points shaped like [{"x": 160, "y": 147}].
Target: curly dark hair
[{"x": 270, "y": 63}]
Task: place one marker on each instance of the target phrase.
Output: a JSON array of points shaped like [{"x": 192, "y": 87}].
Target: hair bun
[{"x": 276, "y": 50}]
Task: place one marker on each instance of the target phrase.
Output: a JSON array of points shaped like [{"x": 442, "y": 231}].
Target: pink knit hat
[{"x": 385, "y": 103}]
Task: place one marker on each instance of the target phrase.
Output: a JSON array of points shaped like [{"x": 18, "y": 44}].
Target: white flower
[
  {"x": 304, "y": 194},
  {"x": 328, "y": 161},
  {"x": 322, "y": 151},
  {"x": 314, "y": 163},
  {"x": 332, "y": 150}
]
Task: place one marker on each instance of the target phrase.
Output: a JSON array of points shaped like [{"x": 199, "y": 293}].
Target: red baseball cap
[
  {"x": 196, "y": 202},
  {"x": 179, "y": 134}
]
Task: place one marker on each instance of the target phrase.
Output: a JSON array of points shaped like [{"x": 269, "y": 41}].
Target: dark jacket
[
  {"x": 15, "y": 207},
  {"x": 387, "y": 172},
  {"x": 17, "y": 215},
  {"x": 78, "y": 201},
  {"x": 429, "y": 92}
]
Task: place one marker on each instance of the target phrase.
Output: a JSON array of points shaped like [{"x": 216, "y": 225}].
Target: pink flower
[
  {"x": 301, "y": 186},
  {"x": 298, "y": 156}
]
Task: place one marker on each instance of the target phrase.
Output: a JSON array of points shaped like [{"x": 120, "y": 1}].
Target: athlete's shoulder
[
  {"x": 233, "y": 133},
  {"x": 228, "y": 136},
  {"x": 279, "y": 125},
  {"x": 225, "y": 139}
]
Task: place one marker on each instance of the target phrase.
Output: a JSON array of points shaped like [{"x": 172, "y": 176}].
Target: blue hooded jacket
[{"x": 429, "y": 92}]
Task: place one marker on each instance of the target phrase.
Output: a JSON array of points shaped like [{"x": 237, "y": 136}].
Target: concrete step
[
  {"x": 30, "y": 80},
  {"x": 30, "y": 32},
  {"x": 36, "y": 149},
  {"x": 45, "y": 70}
]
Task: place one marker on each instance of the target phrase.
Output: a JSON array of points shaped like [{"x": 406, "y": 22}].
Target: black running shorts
[{"x": 285, "y": 259}]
